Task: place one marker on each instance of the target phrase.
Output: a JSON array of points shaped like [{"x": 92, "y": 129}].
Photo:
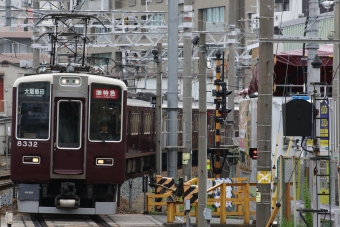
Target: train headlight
[
  {"x": 70, "y": 81},
  {"x": 31, "y": 160},
  {"x": 104, "y": 161}
]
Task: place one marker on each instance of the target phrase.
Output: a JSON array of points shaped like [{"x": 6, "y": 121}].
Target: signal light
[{"x": 253, "y": 153}]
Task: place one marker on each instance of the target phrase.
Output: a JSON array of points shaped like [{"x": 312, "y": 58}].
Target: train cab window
[
  {"x": 105, "y": 113},
  {"x": 33, "y": 111},
  {"x": 69, "y": 124}
]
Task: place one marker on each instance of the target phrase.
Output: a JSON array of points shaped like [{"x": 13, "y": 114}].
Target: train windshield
[
  {"x": 105, "y": 113},
  {"x": 33, "y": 110}
]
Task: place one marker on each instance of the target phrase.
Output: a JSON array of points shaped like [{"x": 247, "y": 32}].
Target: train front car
[{"x": 68, "y": 143}]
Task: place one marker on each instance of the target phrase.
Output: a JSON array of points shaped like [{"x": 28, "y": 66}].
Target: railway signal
[
  {"x": 253, "y": 153},
  {"x": 224, "y": 110}
]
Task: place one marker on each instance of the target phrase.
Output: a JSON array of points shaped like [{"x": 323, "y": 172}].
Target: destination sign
[{"x": 105, "y": 93}]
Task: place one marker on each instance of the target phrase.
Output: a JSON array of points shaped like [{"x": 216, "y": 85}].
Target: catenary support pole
[
  {"x": 202, "y": 139},
  {"x": 159, "y": 111},
  {"x": 36, "y": 34},
  {"x": 312, "y": 77},
  {"x": 172, "y": 88},
  {"x": 231, "y": 62},
  {"x": 187, "y": 91},
  {"x": 264, "y": 127},
  {"x": 336, "y": 85}
]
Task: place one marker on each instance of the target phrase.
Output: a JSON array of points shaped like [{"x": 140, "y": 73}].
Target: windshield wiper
[{"x": 98, "y": 133}]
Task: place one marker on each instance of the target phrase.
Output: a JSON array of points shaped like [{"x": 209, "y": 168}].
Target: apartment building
[{"x": 136, "y": 61}]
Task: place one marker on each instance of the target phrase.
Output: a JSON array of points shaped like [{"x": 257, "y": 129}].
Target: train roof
[
  {"x": 143, "y": 103},
  {"x": 49, "y": 77}
]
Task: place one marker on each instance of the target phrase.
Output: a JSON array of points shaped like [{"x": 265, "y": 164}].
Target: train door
[{"x": 68, "y": 151}]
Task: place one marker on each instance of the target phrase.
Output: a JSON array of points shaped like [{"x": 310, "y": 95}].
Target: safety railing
[{"x": 241, "y": 201}]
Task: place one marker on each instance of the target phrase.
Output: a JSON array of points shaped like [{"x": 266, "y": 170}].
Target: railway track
[
  {"x": 5, "y": 180},
  {"x": 71, "y": 220},
  {"x": 48, "y": 220}
]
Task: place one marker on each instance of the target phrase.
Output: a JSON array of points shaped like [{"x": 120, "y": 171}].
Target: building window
[
  {"x": 214, "y": 14},
  {"x": 78, "y": 30},
  {"x": 132, "y": 2},
  {"x": 102, "y": 59},
  {"x": 154, "y": 20},
  {"x": 101, "y": 28},
  {"x": 281, "y": 5},
  {"x": 118, "y": 4}
]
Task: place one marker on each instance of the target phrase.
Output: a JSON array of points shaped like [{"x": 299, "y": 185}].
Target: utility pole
[
  {"x": 36, "y": 34},
  {"x": 159, "y": 111},
  {"x": 8, "y": 13},
  {"x": 231, "y": 64},
  {"x": 336, "y": 85},
  {"x": 172, "y": 87},
  {"x": 264, "y": 123},
  {"x": 187, "y": 91},
  {"x": 202, "y": 141},
  {"x": 314, "y": 77}
]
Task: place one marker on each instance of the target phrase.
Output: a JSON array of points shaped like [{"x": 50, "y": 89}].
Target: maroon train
[
  {"x": 141, "y": 118},
  {"x": 77, "y": 137},
  {"x": 65, "y": 157}
]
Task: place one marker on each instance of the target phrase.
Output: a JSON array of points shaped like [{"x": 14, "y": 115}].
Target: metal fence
[{"x": 294, "y": 180}]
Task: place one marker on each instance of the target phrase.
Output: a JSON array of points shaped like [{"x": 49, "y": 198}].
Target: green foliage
[
  {"x": 307, "y": 203},
  {"x": 290, "y": 223},
  {"x": 287, "y": 223}
]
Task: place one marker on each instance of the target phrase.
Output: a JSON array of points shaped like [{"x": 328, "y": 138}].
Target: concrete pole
[
  {"x": 264, "y": 126},
  {"x": 159, "y": 111},
  {"x": 8, "y": 13},
  {"x": 314, "y": 76},
  {"x": 312, "y": 47},
  {"x": 187, "y": 91},
  {"x": 202, "y": 140},
  {"x": 336, "y": 85},
  {"x": 231, "y": 63},
  {"x": 172, "y": 87},
  {"x": 36, "y": 34}
]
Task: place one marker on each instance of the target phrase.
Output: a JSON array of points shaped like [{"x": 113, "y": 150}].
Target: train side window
[
  {"x": 212, "y": 122},
  {"x": 135, "y": 123},
  {"x": 147, "y": 123},
  {"x": 33, "y": 111},
  {"x": 128, "y": 125},
  {"x": 195, "y": 123},
  {"x": 180, "y": 122},
  {"x": 141, "y": 124}
]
